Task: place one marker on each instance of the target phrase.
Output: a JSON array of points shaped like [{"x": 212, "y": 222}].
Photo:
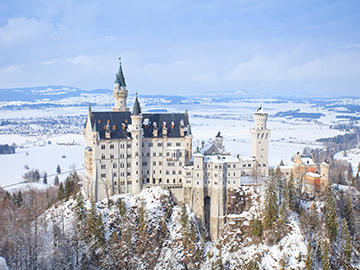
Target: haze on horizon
[{"x": 173, "y": 47}]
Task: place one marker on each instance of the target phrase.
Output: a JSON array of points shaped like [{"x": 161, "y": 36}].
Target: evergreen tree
[
  {"x": 67, "y": 188},
  {"x": 80, "y": 210},
  {"x": 325, "y": 261},
  {"x": 309, "y": 257},
  {"x": 56, "y": 180},
  {"x": 255, "y": 227},
  {"x": 283, "y": 212},
  {"x": 331, "y": 217},
  {"x": 349, "y": 213},
  {"x": 313, "y": 217},
  {"x": 61, "y": 191},
  {"x": 19, "y": 198},
  {"x": 292, "y": 201},
  {"x": 346, "y": 245},
  {"x": 122, "y": 208},
  {"x": 350, "y": 174},
  {"x": 45, "y": 178},
  {"x": 270, "y": 210},
  {"x": 58, "y": 169}
]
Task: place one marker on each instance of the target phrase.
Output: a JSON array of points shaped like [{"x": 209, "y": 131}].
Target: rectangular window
[
  {"x": 129, "y": 145},
  {"x": 128, "y": 173},
  {"x": 148, "y": 154},
  {"x": 122, "y": 146},
  {"x": 129, "y": 182},
  {"x": 249, "y": 165},
  {"x": 180, "y": 163},
  {"x": 160, "y": 144},
  {"x": 129, "y": 165},
  {"x": 103, "y": 175},
  {"x": 103, "y": 166},
  {"x": 103, "y": 146},
  {"x": 160, "y": 163},
  {"x": 178, "y": 144},
  {"x": 229, "y": 166},
  {"x": 169, "y": 144},
  {"x": 150, "y": 144},
  {"x": 160, "y": 154},
  {"x": 144, "y": 163},
  {"x": 154, "y": 163},
  {"x": 111, "y": 146},
  {"x": 234, "y": 165},
  {"x": 154, "y": 154}
]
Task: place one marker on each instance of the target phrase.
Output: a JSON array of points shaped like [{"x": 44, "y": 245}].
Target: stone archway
[{"x": 207, "y": 204}]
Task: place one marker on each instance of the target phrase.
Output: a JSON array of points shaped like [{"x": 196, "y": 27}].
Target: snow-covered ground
[
  {"x": 352, "y": 156},
  {"x": 233, "y": 119},
  {"x": 45, "y": 158}
]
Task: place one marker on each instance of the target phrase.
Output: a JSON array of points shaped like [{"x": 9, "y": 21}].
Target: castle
[{"x": 130, "y": 151}]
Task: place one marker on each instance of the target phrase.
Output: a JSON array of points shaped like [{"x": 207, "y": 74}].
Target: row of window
[{"x": 122, "y": 146}]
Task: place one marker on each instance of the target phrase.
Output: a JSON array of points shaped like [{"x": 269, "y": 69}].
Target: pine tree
[
  {"x": 56, "y": 180},
  {"x": 346, "y": 245},
  {"x": 331, "y": 217},
  {"x": 325, "y": 261},
  {"x": 122, "y": 208},
  {"x": 283, "y": 212},
  {"x": 67, "y": 188},
  {"x": 61, "y": 191},
  {"x": 309, "y": 257},
  {"x": 313, "y": 217},
  {"x": 292, "y": 201},
  {"x": 349, "y": 174},
  {"x": 255, "y": 227},
  {"x": 349, "y": 213},
  {"x": 80, "y": 210},
  {"x": 58, "y": 169},
  {"x": 45, "y": 178},
  {"x": 270, "y": 210}
]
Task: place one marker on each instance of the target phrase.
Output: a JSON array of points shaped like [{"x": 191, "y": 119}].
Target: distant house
[{"x": 307, "y": 176}]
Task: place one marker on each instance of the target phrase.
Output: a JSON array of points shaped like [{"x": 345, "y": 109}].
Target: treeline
[
  {"x": 330, "y": 225},
  {"x": 7, "y": 149},
  {"x": 24, "y": 239}
]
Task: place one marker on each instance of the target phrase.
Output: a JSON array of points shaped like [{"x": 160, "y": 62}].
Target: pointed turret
[
  {"x": 120, "y": 79},
  {"x": 137, "y": 108},
  {"x": 120, "y": 92}
]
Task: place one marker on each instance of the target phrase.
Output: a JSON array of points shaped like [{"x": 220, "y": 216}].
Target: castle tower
[
  {"x": 120, "y": 92},
  {"x": 260, "y": 140},
  {"x": 325, "y": 176},
  {"x": 219, "y": 141},
  {"x": 136, "y": 133}
]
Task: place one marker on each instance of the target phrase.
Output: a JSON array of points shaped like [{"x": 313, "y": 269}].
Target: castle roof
[
  {"x": 120, "y": 121},
  {"x": 137, "y": 108},
  {"x": 119, "y": 77}
]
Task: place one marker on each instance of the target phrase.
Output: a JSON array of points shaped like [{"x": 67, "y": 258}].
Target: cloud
[{"x": 341, "y": 66}]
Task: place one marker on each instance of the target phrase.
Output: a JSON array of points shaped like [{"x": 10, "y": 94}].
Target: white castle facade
[{"x": 129, "y": 151}]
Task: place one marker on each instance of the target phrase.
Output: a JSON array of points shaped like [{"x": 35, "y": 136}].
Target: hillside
[{"x": 147, "y": 231}]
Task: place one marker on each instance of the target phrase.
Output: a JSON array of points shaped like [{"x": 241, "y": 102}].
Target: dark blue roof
[
  {"x": 119, "y": 121},
  {"x": 120, "y": 79}
]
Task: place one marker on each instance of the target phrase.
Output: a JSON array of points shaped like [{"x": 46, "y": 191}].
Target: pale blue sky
[{"x": 173, "y": 47}]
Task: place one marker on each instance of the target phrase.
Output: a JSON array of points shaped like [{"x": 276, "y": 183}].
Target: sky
[{"x": 300, "y": 47}]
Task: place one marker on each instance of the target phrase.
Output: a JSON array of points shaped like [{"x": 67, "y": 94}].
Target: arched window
[
  {"x": 180, "y": 180},
  {"x": 114, "y": 165},
  {"x": 262, "y": 136},
  {"x": 168, "y": 154},
  {"x": 180, "y": 172},
  {"x": 111, "y": 156},
  {"x": 102, "y": 156},
  {"x": 180, "y": 154},
  {"x": 174, "y": 181},
  {"x": 122, "y": 165}
]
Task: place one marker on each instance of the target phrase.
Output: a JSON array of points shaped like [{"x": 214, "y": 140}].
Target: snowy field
[{"x": 233, "y": 120}]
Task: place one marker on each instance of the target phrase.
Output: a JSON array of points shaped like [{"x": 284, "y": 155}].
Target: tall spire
[
  {"x": 137, "y": 108},
  {"x": 120, "y": 79}
]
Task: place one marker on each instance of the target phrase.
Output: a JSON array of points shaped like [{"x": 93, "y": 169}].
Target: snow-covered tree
[
  {"x": 331, "y": 217},
  {"x": 270, "y": 208},
  {"x": 309, "y": 257},
  {"x": 346, "y": 241},
  {"x": 325, "y": 260}
]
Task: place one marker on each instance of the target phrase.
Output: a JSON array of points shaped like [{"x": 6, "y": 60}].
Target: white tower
[
  {"x": 136, "y": 133},
  {"x": 120, "y": 92},
  {"x": 260, "y": 140}
]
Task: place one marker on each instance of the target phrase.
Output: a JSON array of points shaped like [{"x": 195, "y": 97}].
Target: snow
[
  {"x": 45, "y": 158},
  {"x": 352, "y": 156},
  {"x": 3, "y": 265}
]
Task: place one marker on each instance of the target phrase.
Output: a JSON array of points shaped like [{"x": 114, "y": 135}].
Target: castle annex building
[{"x": 129, "y": 151}]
